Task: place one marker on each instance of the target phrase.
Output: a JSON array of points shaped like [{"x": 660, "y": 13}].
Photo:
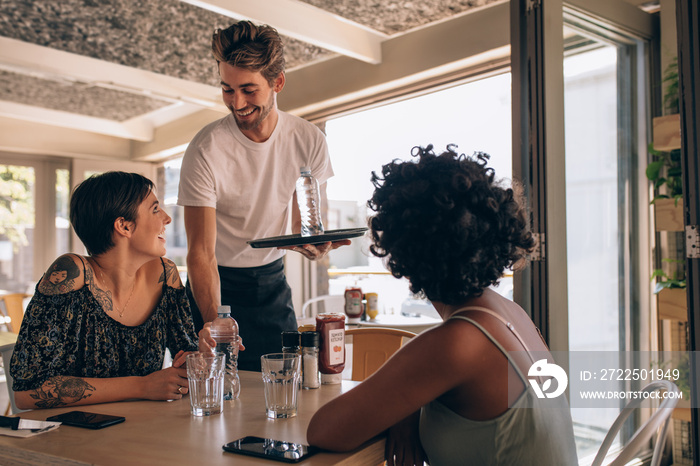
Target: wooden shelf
[
  {"x": 682, "y": 414},
  {"x": 673, "y": 304},
  {"x": 667, "y": 132},
  {"x": 669, "y": 215}
]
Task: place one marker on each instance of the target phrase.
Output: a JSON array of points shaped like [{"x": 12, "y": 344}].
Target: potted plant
[
  {"x": 670, "y": 79},
  {"x": 664, "y": 171},
  {"x": 670, "y": 291}
]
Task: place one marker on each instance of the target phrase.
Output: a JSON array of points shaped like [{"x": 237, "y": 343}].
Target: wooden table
[{"x": 166, "y": 433}]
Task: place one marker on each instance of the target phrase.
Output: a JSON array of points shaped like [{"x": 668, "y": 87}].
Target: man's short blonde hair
[{"x": 255, "y": 48}]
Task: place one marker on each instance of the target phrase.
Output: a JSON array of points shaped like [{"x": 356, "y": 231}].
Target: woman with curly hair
[{"x": 458, "y": 393}]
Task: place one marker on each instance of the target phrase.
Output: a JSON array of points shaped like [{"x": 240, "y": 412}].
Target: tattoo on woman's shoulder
[
  {"x": 170, "y": 275},
  {"x": 104, "y": 297},
  {"x": 61, "y": 391},
  {"x": 60, "y": 278}
]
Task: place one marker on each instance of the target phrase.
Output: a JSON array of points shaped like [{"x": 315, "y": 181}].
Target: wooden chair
[
  {"x": 14, "y": 309},
  {"x": 372, "y": 346}
]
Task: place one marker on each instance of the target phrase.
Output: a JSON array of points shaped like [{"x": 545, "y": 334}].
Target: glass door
[{"x": 601, "y": 120}]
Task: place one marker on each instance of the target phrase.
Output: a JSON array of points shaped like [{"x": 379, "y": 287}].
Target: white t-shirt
[{"x": 250, "y": 184}]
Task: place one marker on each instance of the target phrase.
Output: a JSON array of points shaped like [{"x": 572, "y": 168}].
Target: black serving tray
[{"x": 298, "y": 240}]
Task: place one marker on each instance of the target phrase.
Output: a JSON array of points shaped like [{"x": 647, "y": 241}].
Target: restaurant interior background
[{"x": 88, "y": 86}]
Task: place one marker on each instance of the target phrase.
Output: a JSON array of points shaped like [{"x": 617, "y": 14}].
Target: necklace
[
  {"x": 133, "y": 285},
  {"x": 121, "y": 313}
]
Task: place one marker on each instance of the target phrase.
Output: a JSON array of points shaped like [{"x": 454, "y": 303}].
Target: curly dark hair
[{"x": 446, "y": 224}]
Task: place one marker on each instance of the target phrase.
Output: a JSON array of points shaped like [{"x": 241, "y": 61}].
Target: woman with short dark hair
[
  {"x": 98, "y": 326},
  {"x": 457, "y": 394}
]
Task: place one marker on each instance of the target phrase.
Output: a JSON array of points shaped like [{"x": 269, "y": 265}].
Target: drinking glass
[
  {"x": 280, "y": 374},
  {"x": 205, "y": 373}
]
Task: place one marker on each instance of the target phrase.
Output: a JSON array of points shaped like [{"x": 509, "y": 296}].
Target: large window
[
  {"x": 176, "y": 236},
  {"x": 592, "y": 219},
  {"x": 34, "y": 225},
  {"x": 602, "y": 116},
  {"x": 475, "y": 116}
]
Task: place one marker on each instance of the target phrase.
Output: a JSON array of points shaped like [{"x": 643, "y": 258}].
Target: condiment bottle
[
  {"x": 372, "y": 307},
  {"x": 331, "y": 360},
  {"x": 309, "y": 360},
  {"x": 290, "y": 342},
  {"x": 353, "y": 304}
]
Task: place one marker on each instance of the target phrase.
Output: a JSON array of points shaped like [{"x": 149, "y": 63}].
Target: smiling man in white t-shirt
[{"x": 237, "y": 179}]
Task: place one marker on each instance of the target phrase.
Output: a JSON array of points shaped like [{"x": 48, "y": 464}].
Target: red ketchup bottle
[
  {"x": 353, "y": 304},
  {"x": 331, "y": 358}
]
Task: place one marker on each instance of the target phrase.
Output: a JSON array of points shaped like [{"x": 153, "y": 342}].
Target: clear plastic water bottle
[
  {"x": 224, "y": 330},
  {"x": 309, "y": 200}
]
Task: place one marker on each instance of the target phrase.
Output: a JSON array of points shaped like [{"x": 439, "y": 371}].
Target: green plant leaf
[{"x": 654, "y": 170}]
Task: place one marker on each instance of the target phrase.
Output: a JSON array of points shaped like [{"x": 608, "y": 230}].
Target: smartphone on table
[
  {"x": 86, "y": 420},
  {"x": 278, "y": 450}
]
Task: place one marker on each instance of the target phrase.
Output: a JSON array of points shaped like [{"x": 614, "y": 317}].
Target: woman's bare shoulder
[
  {"x": 448, "y": 345},
  {"x": 165, "y": 270},
  {"x": 65, "y": 274}
]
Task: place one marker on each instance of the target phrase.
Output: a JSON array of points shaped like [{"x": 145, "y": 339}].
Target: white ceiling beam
[
  {"x": 138, "y": 132},
  {"x": 306, "y": 23},
  {"x": 47, "y": 63},
  {"x": 25, "y": 137}
]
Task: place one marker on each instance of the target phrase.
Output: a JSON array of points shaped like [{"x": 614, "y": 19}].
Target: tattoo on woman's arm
[
  {"x": 61, "y": 391},
  {"x": 60, "y": 278}
]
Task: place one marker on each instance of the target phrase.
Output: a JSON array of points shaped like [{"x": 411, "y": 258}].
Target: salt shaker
[{"x": 309, "y": 360}]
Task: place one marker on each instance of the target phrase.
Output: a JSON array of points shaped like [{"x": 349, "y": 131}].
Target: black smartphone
[
  {"x": 288, "y": 452},
  {"x": 86, "y": 420}
]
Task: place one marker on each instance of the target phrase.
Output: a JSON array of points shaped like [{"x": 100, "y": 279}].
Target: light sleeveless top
[{"x": 526, "y": 434}]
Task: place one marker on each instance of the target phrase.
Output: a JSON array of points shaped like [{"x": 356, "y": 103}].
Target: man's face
[{"x": 249, "y": 96}]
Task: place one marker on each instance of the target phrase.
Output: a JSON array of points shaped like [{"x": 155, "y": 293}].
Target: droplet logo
[{"x": 542, "y": 368}]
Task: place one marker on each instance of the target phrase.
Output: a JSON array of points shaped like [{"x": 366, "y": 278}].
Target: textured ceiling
[
  {"x": 168, "y": 37},
  {"x": 391, "y": 17},
  {"x": 163, "y": 36},
  {"x": 75, "y": 97},
  {"x": 160, "y": 41}
]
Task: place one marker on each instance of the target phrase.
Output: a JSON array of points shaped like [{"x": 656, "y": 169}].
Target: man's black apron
[{"x": 261, "y": 303}]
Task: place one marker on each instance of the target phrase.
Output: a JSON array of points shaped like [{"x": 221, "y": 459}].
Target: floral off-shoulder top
[{"x": 70, "y": 334}]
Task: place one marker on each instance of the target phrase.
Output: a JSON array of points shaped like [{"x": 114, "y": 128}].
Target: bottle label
[{"x": 336, "y": 353}]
